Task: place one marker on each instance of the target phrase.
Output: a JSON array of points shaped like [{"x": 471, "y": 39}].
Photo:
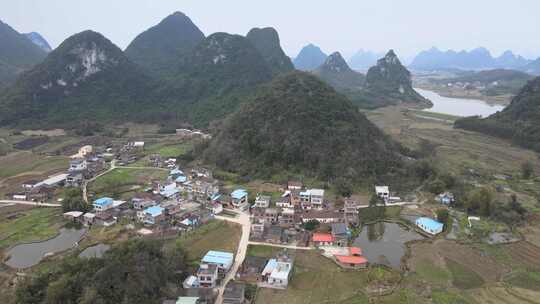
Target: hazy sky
[{"x": 408, "y": 26}]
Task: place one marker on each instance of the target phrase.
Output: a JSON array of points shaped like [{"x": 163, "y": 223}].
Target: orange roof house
[{"x": 323, "y": 238}]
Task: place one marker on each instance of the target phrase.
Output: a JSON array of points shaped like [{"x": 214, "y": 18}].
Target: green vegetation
[
  {"x": 118, "y": 90},
  {"x": 432, "y": 273},
  {"x": 266, "y": 41},
  {"x": 122, "y": 181},
  {"x": 518, "y": 122},
  {"x": 135, "y": 271},
  {"x": 262, "y": 251},
  {"x": 31, "y": 225},
  {"x": 296, "y": 124},
  {"x": 73, "y": 201},
  {"x": 447, "y": 297},
  {"x": 525, "y": 279},
  {"x": 161, "y": 48},
  {"x": 216, "y": 235},
  {"x": 508, "y": 81},
  {"x": 462, "y": 277},
  {"x": 23, "y": 162}
]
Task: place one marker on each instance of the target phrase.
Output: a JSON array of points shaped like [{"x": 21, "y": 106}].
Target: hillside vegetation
[{"x": 299, "y": 124}]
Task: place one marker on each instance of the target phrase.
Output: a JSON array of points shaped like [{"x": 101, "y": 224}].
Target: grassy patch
[
  {"x": 262, "y": 251},
  {"x": 34, "y": 225},
  {"x": 318, "y": 280},
  {"x": 122, "y": 181},
  {"x": 216, "y": 235},
  {"x": 169, "y": 149},
  {"x": 22, "y": 162},
  {"x": 525, "y": 279},
  {"x": 447, "y": 297},
  {"x": 462, "y": 277},
  {"x": 432, "y": 273}
]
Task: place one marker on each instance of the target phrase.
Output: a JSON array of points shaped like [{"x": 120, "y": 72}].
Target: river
[{"x": 459, "y": 106}]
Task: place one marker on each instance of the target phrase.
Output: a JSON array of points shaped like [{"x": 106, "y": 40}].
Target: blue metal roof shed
[
  {"x": 220, "y": 258},
  {"x": 104, "y": 201},
  {"x": 239, "y": 194},
  {"x": 429, "y": 225}
]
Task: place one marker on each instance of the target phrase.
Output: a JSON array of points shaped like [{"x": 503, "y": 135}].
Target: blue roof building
[
  {"x": 181, "y": 179},
  {"x": 176, "y": 172},
  {"x": 239, "y": 194},
  {"x": 103, "y": 203},
  {"x": 152, "y": 213},
  {"x": 223, "y": 260},
  {"x": 429, "y": 225}
]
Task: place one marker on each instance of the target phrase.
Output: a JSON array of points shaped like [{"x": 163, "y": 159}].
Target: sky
[{"x": 407, "y": 26}]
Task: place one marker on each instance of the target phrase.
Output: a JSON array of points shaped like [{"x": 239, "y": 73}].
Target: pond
[
  {"x": 459, "y": 106},
  {"x": 27, "y": 255},
  {"x": 384, "y": 243},
  {"x": 95, "y": 251}
]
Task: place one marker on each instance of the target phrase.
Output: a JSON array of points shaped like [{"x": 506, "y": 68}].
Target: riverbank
[{"x": 502, "y": 100}]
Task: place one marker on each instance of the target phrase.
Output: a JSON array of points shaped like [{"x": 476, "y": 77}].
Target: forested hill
[
  {"x": 266, "y": 41},
  {"x": 297, "y": 123},
  {"x": 519, "y": 121},
  {"x": 85, "y": 78},
  {"x": 161, "y": 48}
]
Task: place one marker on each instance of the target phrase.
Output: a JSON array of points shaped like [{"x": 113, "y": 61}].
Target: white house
[
  {"x": 262, "y": 201},
  {"x": 382, "y": 192},
  {"x": 276, "y": 274}
]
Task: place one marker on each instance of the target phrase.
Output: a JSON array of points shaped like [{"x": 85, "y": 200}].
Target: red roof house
[{"x": 323, "y": 239}]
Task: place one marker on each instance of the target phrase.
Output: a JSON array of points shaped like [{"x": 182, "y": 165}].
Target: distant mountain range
[
  {"x": 17, "y": 54},
  {"x": 387, "y": 82},
  {"x": 38, "y": 40},
  {"x": 309, "y": 58},
  {"x": 363, "y": 60},
  {"x": 477, "y": 59}
]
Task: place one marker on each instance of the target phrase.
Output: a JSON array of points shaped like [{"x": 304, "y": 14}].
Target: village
[{"x": 300, "y": 218}]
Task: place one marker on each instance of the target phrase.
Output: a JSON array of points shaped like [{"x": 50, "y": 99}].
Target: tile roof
[
  {"x": 345, "y": 259},
  {"x": 323, "y": 237}
]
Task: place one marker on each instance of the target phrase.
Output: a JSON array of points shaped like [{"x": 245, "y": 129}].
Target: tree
[
  {"x": 443, "y": 215},
  {"x": 479, "y": 201},
  {"x": 527, "y": 170},
  {"x": 311, "y": 225},
  {"x": 436, "y": 187},
  {"x": 73, "y": 201}
]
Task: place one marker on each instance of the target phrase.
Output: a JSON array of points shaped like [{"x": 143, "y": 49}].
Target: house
[
  {"x": 103, "y": 204},
  {"x": 271, "y": 215},
  {"x": 191, "y": 282},
  {"x": 351, "y": 211},
  {"x": 383, "y": 192},
  {"x": 73, "y": 215},
  {"x": 429, "y": 225},
  {"x": 287, "y": 217},
  {"x": 40, "y": 194},
  {"x": 262, "y": 201},
  {"x": 216, "y": 208},
  {"x": 322, "y": 239},
  {"x": 257, "y": 230},
  {"x": 317, "y": 198},
  {"x": 223, "y": 260},
  {"x": 355, "y": 260},
  {"x": 29, "y": 184},
  {"x": 83, "y": 151},
  {"x": 285, "y": 202},
  {"x": 77, "y": 165},
  {"x": 19, "y": 197},
  {"x": 105, "y": 219},
  {"x": 187, "y": 300},
  {"x": 53, "y": 181},
  {"x": 153, "y": 215},
  {"x": 294, "y": 185},
  {"x": 88, "y": 218},
  {"x": 239, "y": 199},
  {"x": 446, "y": 198},
  {"x": 142, "y": 201},
  {"x": 74, "y": 179},
  {"x": 207, "y": 275},
  {"x": 275, "y": 235},
  {"x": 276, "y": 274},
  {"x": 234, "y": 293},
  {"x": 324, "y": 217},
  {"x": 341, "y": 234}
]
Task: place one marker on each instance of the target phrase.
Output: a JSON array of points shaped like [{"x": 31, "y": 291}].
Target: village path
[
  {"x": 280, "y": 246},
  {"x": 85, "y": 184},
  {"x": 29, "y": 203},
  {"x": 242, "y": 219}
]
